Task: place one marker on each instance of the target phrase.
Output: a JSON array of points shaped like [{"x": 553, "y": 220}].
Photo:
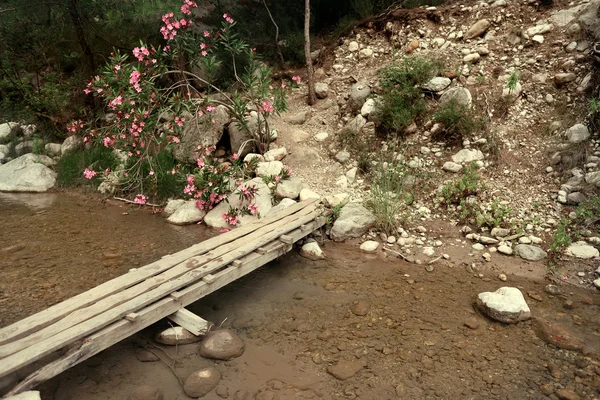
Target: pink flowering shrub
[{"x": 147, "y": 101}]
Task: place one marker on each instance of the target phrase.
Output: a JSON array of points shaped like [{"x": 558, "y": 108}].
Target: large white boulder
[
  {"x": 186, "y": 214},
  {"x": 506, "y": 304},
  {"x": 354, "y": 221},
  {"x": 582, "y": 250},
  {"x": 28, "y": 173}
]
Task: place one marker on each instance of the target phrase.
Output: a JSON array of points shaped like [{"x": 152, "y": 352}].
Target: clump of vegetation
[
  {"x": 457, "y": 121},
  {"x": 360, "y": 146},
  {"x": 402, "y": 99},
  {"x": 497, "y": 215},
  {"x": 513, "y": 81},
  {"x": 70, "y": 166},
  {"x": 390, "y": 194},
  {"x": 468, "y": 184},
  {"x": 586, "y": 217}
]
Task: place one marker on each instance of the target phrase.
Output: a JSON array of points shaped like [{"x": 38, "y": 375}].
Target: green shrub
[
  {"x": 457, "y": 121},
  {"x": 497, "y": 216},
  {"x": 389, "y": 194},
  {"x": 458, "y": 190},
  {"x": 70, "y": 166},
  {"x": 360, "y": 146},
  {"x": 402, "y": 99}
]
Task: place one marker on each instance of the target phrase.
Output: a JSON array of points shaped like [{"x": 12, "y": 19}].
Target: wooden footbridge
[{"x": 70, "y": 332}]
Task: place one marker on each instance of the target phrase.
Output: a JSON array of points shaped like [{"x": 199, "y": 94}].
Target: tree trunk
[
  {"x": 77, "y": 24},
  {"x": 312, "y": 97}
]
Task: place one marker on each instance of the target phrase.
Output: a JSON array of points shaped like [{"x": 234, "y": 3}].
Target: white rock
[
  {"x": 276, "y": 154},
  {"x": 351, "y": 175},
  {"x": 428, "y": 251},
  {"x": 283, "y": 204},
  {"x": 353, "y": 46},
  {"x": 30, "y": 395},
  {"x": 366, "y": 53},
  {"x": 186, "y": 214},
  {"x": 308, "y": 194},
  {"x": 269, "y": 168},
  {"x": 459, "y": 94},
  {"x": 539, "y": 29},
  {"x": 450, "y": 166},
  {"x": 538, "y": 39},
  {"x": 577, "y": 133},
  {"x": 172, "y": 206},
  {"x": 312, "y": 251},
  {"x": 505, "y": 305},
  {"x": 529, "y": 252},
  {"x": 176, "y": 336},
  {"x": 367, "y": 108},
  {"x": 478, "y": 246},
  {"x": 582, "y": 250},
  {"x": 321, "y": 136},
  {"x": 321, "y": 90},
  {"x": 289, "y": 188},
  {"x": 597, "y": 283},
  {"x": 28, "y": 173},
  {"x": 370, "y": 246},
  {"x": 437, "y": 84},
  {"x": 6, "y": 130},
  {"x": 467, "y": 156},
  {"x": 53, "y": 149},
  {"x": 72, "y": 143},
  {"x": 337, "y": 199},
  {"x": 354, "y": 221},
  {"x": 505, "y": 249}
]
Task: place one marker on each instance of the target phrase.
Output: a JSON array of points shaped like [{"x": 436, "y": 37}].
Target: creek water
[
  {"x": 420, "y": 337},
  {"x": 57, "y": 245}
]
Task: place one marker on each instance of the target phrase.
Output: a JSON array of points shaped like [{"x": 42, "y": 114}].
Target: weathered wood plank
[
  {"x": 120, "y": 330},
  {"x": 47, "y": 345},
  {"x": 190, "y": 321},
  {"x": 58, "y": 311},
  {"x": 83, "y": 314}
]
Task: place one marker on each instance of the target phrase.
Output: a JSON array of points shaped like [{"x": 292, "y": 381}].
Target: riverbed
[{"x": 420, "y": 337}]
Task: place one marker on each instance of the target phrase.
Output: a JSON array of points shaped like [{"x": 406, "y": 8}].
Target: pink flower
[
  {"x": 253, "y": 208},
  {"x": 140, "y": 199},
  {"x": 266, "y": 107},
  {"x": 235, "y": 156},
  {"x": 87, "y": 91},
  {"x": 210, "y": 108},
  {"x": 115, "y": 102},
  {"x": 117, "y": 67},
  {"x": 89, "y": 174},
  {"x": 204, "y": 53},
  {"x": 206, "y": 34},
  {"x": 296, "y": 79},
  {"x": 151, "y": 173},
  {"x": 176, "y": 139}
]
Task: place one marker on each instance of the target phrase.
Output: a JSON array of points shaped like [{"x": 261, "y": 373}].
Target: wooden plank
[
  {"x": 286, "y": 239},
  {"x": 131, "y": 317},
  {"x": 190, "y": 321},
  {"x": 208, "y": 278},
  {"x": 236, "y": 263},
  {"x": 81, "y": 315},
  {"x": 46, "y": 345},
  {"x": 120, "y": 330},
  {"x": 57, "y": 311},
  {"x": 261, "y": 250}
]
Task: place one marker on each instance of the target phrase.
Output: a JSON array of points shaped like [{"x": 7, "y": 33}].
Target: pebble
[
  {"x": 360, "y": 308},
  {"x": 502, "y": 277},
  {"x": 202, "y": 382},
  {"x": 505, "y": 249}
]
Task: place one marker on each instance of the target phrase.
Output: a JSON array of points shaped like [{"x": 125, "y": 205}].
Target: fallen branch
[
  {"x": 398, "y": 254},
  {"x": 133, "y": 202},
  {"x": 434, "y": 260}
]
